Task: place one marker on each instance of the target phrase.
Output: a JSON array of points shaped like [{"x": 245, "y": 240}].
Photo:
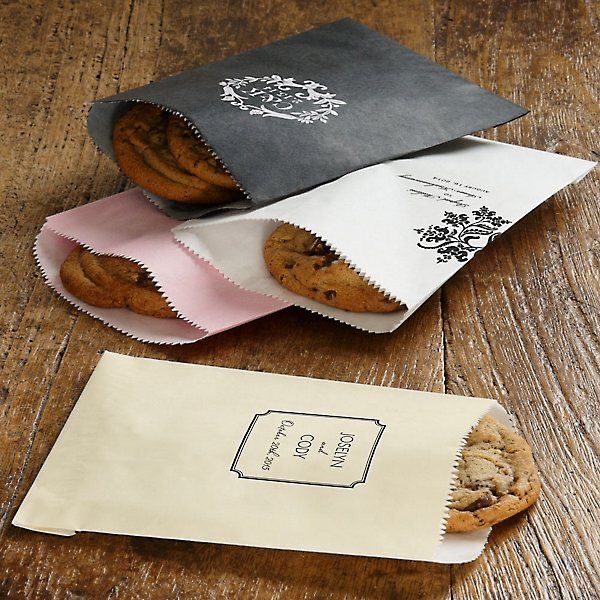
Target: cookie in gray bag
[{"x": 300, "y": 112}]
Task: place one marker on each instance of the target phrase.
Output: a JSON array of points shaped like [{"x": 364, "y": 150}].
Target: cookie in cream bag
[{"x": 183, "y": 451}]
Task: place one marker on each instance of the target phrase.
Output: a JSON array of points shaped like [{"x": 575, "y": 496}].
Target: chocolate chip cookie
[
  {"x": 303, "y": 264},
  {"x": 81, "y": 286},
  {"x": 497, "y": 478},
  {"x": 142, "y": 153},
  {"x": 195, "y": 156},
  {"x": 112, "y": 282}
]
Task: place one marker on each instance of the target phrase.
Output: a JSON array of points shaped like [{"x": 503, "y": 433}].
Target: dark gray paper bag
[{"x": 308, "y": 109}]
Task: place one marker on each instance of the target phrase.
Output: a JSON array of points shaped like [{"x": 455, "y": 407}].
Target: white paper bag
[{"x": 406, "y": 225}]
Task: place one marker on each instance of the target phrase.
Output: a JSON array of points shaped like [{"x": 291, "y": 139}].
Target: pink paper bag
[{"x": 127, "y": 225}]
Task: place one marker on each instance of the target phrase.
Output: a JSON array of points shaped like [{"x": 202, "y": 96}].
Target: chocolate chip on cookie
[
  {"x": 497, "y": 478},
  {"x": 112, "y": 282},
  {"x": 195, "y": 156},
  {"x": 142, "y": 153},
  {"x": 303, "y": 264}
]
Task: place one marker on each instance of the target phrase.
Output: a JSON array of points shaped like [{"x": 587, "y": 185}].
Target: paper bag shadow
[
  {"x": 314, "y": 573},
  {"x": 322, "y": 573}
]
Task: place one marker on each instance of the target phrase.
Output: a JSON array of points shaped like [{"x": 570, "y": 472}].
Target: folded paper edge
[
  {"x": 47, "y": 530},
  {"x": 41, "y": 267},
  {"x": 72, "y": 532}
]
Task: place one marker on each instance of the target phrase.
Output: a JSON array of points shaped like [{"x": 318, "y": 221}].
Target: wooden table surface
[{"x": 519, "y": 323}]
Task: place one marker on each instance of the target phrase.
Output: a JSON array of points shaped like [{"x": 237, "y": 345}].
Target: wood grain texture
[{"x": 519, "y": 323}]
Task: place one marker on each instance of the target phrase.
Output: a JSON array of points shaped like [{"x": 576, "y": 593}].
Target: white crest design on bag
[{"x": 281, "y": 97}]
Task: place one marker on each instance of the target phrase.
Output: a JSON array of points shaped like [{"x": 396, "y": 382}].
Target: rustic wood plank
[
  {"x": 521, "y": 320},
  {"x": 519, "y": 323}
]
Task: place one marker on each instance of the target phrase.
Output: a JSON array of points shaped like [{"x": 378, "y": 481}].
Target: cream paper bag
[
  {"x": 406, "y": 225},
  {"x": 169, "y": 450}
]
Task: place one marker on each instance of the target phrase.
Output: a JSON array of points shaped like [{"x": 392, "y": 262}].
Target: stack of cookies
[
  {"x": 161, "y": 153},
  {"x": 112, "y": 282}
]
